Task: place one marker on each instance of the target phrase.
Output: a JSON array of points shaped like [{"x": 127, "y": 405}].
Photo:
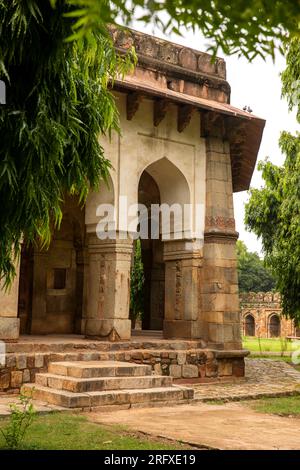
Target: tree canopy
[
  {"x": 58, "y": 103},
  {"x": 57, "y": 59},
  {"x": 273, "y": 212},
  {"x": 247, "y": 27},
  {"x": 252, "y": 273}
]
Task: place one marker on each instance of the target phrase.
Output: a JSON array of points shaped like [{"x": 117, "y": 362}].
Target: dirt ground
[{"x": 227, "y": 426}]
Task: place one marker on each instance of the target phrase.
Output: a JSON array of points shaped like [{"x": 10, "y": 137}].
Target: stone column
[
  {"x": 39, "y": 292},
  {"x": 9, "y": 321},
  {"x": 108, "y": 289},
  {"x": 183, "y": 261},
  {"x": 219, "y": 280}
]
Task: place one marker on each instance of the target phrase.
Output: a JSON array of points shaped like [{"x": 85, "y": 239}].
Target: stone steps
[
  {"x": 89, "y": 369},
  {"x": 73, "y": 384},
  {"x": 90, "y": 400},
  {"x": 92, "y": 384}
]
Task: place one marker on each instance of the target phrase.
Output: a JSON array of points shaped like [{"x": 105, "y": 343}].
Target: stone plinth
[{"x": 181, "y": 359}]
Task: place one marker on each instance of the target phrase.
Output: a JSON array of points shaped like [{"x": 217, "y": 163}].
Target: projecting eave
[{"x": 243, "y": 130}]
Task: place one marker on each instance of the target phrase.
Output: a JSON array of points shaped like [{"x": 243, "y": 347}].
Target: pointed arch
[
  {"x": 249, "y": 325},
  {"x": 172, "y": 183},
  {"x": 274, "y": 326}
]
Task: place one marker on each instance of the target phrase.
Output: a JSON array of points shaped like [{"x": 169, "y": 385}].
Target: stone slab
[
  {"x": 9, "y": 328},
  {"x": 73, "y": 384},
  {"x": 88, "y": 369}
]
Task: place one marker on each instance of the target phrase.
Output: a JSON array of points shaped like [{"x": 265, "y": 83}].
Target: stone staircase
[{"x": 105, "y": 384}]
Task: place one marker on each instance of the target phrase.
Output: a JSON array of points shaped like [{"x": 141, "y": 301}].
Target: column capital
[
  {"x": 219, "y": 229},
  {"x": 183, "y": 249},
  {"x": 95, "y": 245}
]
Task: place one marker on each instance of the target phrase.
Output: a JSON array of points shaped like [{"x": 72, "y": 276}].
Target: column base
[
  {"x": 111, "y": 329},
  {"x": 185, "y": 329},
  {"x": 9, "y": 328}
]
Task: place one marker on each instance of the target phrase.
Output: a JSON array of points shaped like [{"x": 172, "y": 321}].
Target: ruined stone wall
[{"x": 262, "y": 315}]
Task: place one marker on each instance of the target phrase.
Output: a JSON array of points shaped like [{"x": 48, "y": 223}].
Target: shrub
[{"x": 21, "y": 417}]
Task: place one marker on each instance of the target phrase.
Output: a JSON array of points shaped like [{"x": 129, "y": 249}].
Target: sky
[{"x": 258, "y": 85}]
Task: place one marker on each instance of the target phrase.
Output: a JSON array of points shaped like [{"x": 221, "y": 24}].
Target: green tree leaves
[
  {"x": 253, "y": 275},
  {"x": 58, "y": 104},
  {"x": 137, "y": 281},
  {"x": 247, "y": 27},
  {"x": 273, "y": 212}
]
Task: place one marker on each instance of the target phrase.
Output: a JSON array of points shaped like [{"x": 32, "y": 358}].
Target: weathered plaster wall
[{"x": 140, "y": 145}]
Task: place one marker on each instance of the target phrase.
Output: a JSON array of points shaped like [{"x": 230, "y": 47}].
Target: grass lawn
[
  {"x": 284, "y": 406},
  {"x": 66, "y": 431},
  {"x": 270, "y": 344}
]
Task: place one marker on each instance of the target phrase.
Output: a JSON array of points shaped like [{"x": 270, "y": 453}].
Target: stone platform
[
  {"x": 181, "y": 359},
  {"x": 263, "y": 378}
]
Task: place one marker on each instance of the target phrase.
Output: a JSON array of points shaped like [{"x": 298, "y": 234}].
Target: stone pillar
[
  {"x": 182, "y": 261},
  {"x": 39, "y": 292},
  {"x": 9, "y": 321},
  {"x": 219, "y": 280},
  {"x": 108, "y": 289}
]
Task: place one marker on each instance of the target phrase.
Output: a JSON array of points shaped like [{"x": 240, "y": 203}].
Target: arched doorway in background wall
[
  {"x": 274, "y": 326},
  {"x": 249, "y": 325}
]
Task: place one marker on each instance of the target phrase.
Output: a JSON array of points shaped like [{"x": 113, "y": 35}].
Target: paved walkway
[
  {"x": 264, "y": 377},
  {"x": 228, "y": 426},
  {"x": 40, "y": 407}
]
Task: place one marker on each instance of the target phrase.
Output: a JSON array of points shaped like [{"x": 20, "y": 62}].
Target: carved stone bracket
[
  {"x": 184, "y": 116},
  {"x": 133, "y": 103},
  {"x": 160, "y": 108},
  {"x": 212, "y": 124}
]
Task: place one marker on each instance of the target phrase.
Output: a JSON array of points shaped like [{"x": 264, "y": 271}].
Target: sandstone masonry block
[
  {"x": 26, "y": 375},
  {"x": 175, "y": 370},
  {"x": 4, "y": 380},
  {"x": 10, "y": 361},
  {"x": 21, "y": 361},
  {"x": 189, "y": 371},
  {"x": 16, "y": 379},
  {"x": 181, "y": 358},
  {"x": 39, "y": 360},
  {"x": 225, "y": 368},
  {"x": 211, "y": 369}
]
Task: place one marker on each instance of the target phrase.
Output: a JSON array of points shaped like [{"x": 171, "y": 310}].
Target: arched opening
[
  {"x": 160, "y": 183},
  {"x": 249, "y": 325},
  {"x": 51, "y": 281},
  {"x": 274, "y": 326},
  {"x": 152, "y": 258}
]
